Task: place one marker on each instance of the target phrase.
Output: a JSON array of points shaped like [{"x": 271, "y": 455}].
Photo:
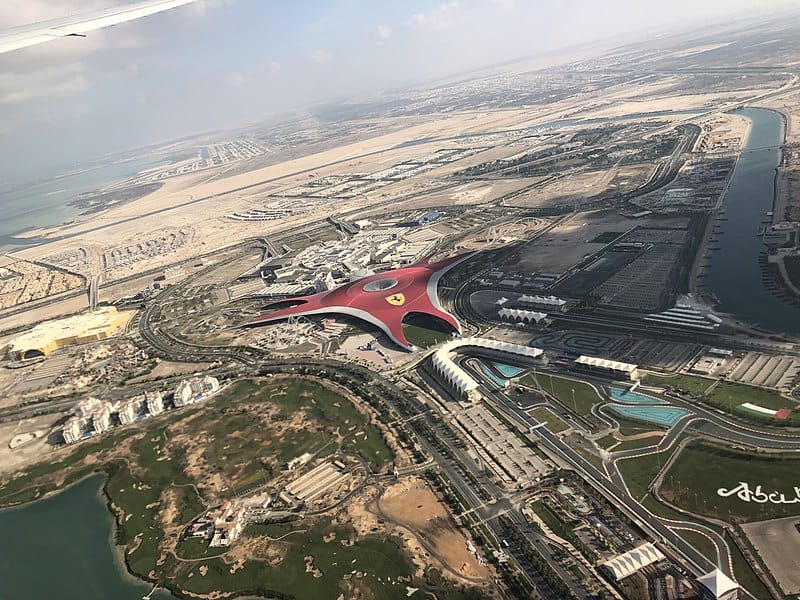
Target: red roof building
[{"x": 383, "y": 300}]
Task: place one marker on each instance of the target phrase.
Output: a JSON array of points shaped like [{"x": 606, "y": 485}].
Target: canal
[
  {"x": 61, "y": 548},
  {"x": 734, "y": 274}
]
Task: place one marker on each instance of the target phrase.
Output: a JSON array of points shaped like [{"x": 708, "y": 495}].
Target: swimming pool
[
  {"x": 666, "y": 416},
  {"x": 508, "y": 370},
  {"x": 490, "y": 374},
  {"x": 629, "y": 397}
]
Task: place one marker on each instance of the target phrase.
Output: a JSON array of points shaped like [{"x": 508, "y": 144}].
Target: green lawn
[
  {"x": 543, "y": 415},
  {"x": 691, "y": 383},
  {"x": 640, "y": 472},
  {"x": 702, "y": 469},
  {"x": 37, "y": 479},
  {"x": 729, "y": 396},
  {"x": 561, "y": 388},
  {"x": 333, "y": 411},
  {"x": 556, "y": 525},
  {"x": 163, "y": 466},
  {"x": 745, "y": 574},
  {"x": 631, "y": 427},
  {"x": 141, "y": 503},
  {"x": 606, "y": 442},
  {"x": 636, "y": 444},
  {"x": 243, "y": 436},
  {"x": 197, "y": 548},
  {"x": 423, "y": 331},
  {"x": 701, "y": 543},
  {"x": 606, "y": 237},
  {"x": 379, "y": 560}
]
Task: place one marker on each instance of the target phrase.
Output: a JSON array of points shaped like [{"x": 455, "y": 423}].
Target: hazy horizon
[{"x": 219, "y": 63}]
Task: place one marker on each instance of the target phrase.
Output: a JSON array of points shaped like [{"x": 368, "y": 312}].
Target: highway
[{"x": 466, "y": 477}]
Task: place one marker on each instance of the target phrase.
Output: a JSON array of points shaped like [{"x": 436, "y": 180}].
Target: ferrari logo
[{"x": 396, "y": 299}]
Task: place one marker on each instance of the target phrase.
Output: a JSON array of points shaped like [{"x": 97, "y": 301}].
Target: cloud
[
  {"x": 68, "y": 66},
  {"x": 14, "y": 13},
  {"x": 384, "y": 32},
  {"x": 442, "y": 17},
  {"x": 202, "y": 8},
  {"x": 503, "y": 4},
  {"x": 274, "y": 67},
  {"x": 19, "y": 88},
  {"x": 236, "y": 79},
  {"x": 321, "y": 57}
]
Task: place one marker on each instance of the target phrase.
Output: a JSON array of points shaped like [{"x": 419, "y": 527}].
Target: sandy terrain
[
  {"x": 579, "y": 187},
  {"x": 200, "y": 204},
  {"x": 722, "y": 133},
  {"x": 67, "y": 306},
  {"x": 778, "y": 544},
  {"x": 412, "y": 503},
  {"x": 499, "y": 235},
  {"x": 789, "y": 105},
  {"x": 11, "y": 459},
  {"x": 171, "y": 369},
  {"x": 678, "y": 102},
  {"x": 567, "y": 244}
]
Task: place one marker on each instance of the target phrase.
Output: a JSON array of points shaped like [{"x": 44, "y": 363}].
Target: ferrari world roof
[{"x": 383, "y": 300}]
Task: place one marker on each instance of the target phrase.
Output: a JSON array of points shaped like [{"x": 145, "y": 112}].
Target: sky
[{"x": 218, "y": 63}]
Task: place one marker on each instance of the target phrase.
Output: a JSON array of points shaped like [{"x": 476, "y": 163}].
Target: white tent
[
  {"x": 623, "y": 565},
  {"x": 718, "y": 584}
]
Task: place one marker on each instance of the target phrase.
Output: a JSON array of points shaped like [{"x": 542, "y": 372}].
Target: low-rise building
[
  {"x": 607, "y": 368},
  {"x": 195, "y": 389},
  {"x": 549, "y": 303},
  {"x": 130, "y": 411},
  {"x": 72, "y": 431},
  {"x": 625, "y": 565},
  {"x": 220, "y": 525},
  {"x": 49, "y": 336},
  {"x": 90, "y": 417}
]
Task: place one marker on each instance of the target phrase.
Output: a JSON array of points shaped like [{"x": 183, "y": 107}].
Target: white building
[
  {"x": 101, "y": 419},
  {"x": 195, "y": 389},
  {"x": 87, "y": 407},
  {"x": 607, "y": 368},
  {"x": 456, "y": 377},
  {"x": 72, "y": 430},
  {"x": 718, "y": 586},
  {"x": 516, "y": 315},
  {"x": 129, "y": 411},
  {"x": 90, "y": 417},
  {"x": 627, "y": 564},
  {"x": 155, "y": 403},
  {"x": 551, "y": 303}
]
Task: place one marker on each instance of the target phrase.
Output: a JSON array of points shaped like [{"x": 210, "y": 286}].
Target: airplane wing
[{"x": 79, "y": 25}]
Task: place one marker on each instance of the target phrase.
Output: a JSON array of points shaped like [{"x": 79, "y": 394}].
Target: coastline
[{"x": 99, "y": 479}]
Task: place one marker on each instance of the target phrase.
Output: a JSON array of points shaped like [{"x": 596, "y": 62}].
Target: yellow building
[{"x": 80, "y": 329}]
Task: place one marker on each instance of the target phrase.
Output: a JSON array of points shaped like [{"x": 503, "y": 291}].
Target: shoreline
[{"x": 116, "y": 550}]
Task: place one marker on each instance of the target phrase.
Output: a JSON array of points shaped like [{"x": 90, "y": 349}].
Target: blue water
[
  {"x": 508, "y": 370},
  {"x": 629, "y": 397},
  {"x": 45, "y": 202},
  {"x": 491, "y": 376},
  {"x": 60, "y": 549},
  {"x": 666, "y": 416},
  {"x": 734, "y": 274}
]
